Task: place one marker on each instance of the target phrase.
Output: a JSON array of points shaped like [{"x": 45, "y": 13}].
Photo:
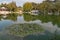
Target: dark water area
[
  {"x": 46, "y": 36},
  {"x": 50, "y": 23}
]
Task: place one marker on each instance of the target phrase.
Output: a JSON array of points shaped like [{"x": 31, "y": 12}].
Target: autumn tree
[
  {"x": 12, "y": 6},
  {"x": 43, "y": 7},
  {"x": 57, "y": 4},
  {"x": 27, "y": 6},
  {"x": 35, "y": 6}
]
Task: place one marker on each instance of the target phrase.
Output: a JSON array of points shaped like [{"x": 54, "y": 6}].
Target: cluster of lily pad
[{"x": 24, "y": 29}]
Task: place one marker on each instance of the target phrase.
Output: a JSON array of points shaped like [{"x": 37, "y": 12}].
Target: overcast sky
[{"x": 20, "y": 2}]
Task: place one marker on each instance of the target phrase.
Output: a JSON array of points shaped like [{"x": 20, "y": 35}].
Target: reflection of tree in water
[
  {"x": 0, "y": 17},
  {"x": 12, "y": 17},
  {"x": 44, "y": 19},
  {"x": 50, "y": 18},
  {"x": 28, "y": 17},
  {"x": 55, "y": 19}
]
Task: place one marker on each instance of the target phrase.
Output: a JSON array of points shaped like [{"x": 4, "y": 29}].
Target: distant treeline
[
  {"x": 45, "y": 7},
  {"x": 11, "y": 6}
]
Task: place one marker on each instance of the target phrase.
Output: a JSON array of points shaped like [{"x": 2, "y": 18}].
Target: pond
[{"x": 50, "y": 23}]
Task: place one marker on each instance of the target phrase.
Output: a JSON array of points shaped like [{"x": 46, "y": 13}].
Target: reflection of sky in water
[
  {"x": 47, "y": 26},
  {"x": 20, "y": 19},
  {"x": 5, "y": 23}
]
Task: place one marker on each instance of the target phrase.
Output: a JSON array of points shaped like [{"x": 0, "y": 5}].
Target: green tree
[
  {"x": 57, "y": 4},
  {"x": 35, "y": 6},
  {"x": 18, "y": 9},
  {"x": 27, "y": 7},
  {"x": 12, "y": 6},
  {"x": 47, "y": 6},
  {"x": 3, "y": 5},
  {"x": 44, "y": 7}
]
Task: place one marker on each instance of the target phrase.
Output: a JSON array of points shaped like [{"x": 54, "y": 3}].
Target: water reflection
[
  {"x": 5, "y": 23},
  {"x": 20, "y": 19},
  {"x": 49, "y": 22}
]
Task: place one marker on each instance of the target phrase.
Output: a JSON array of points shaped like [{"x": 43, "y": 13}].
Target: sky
[{"x": 20, "y": 2}]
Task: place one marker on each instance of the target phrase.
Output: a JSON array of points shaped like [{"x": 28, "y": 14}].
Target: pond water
[{"x": 48, "y": 23}]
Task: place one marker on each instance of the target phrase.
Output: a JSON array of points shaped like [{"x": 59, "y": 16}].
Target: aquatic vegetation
[{"x": 24, "y": 29}]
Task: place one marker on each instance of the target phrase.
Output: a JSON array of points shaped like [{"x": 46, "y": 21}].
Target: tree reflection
[
  {"x": 55, "y": 19},
  {"x": 12, "y": 16}
]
